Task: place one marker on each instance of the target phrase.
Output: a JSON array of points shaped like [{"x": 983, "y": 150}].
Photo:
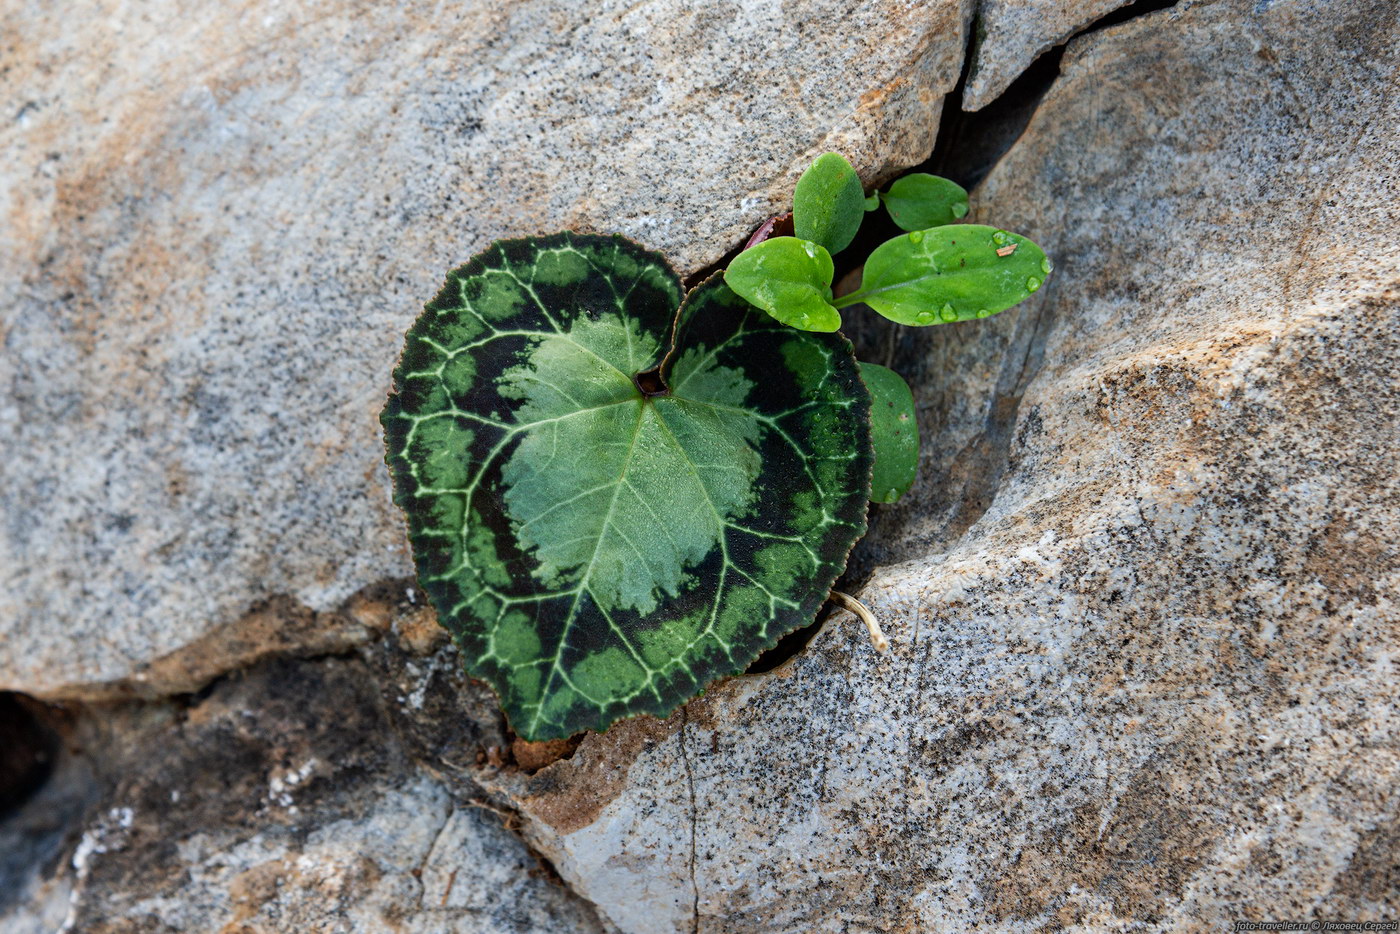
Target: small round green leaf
[
  {"x": 919, "y": 201},
  {"x": 894, "y": 433},
  {"x": 829, "y": 203},
  {"x": 612, "y": 503},
  {"x": 953, "y": 273},
  {"x": 790, "y": 279}
]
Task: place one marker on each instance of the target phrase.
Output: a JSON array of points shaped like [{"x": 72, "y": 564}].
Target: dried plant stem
[{"x": 848, "y": 602}]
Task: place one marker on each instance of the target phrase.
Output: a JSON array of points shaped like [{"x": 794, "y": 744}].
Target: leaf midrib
[{"x": 572, "y": 614}]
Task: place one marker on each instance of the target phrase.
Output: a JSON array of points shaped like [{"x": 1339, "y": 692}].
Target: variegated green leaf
[{"x": 601, "y": 537}]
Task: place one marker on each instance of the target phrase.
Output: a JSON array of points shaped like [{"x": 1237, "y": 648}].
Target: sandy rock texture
[
  {"x": 216, "y": 222},
  {"x": 1143, "y": 602},
  {"x": 1010, "y": 34},
  {"x": 278, "y": 800}
]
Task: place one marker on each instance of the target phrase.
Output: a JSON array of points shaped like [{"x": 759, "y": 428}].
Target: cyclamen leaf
[
  {"x": 918, "y": 201},
  {"x": 598, "y": 551},
  {"x": 894, "y": 433},
  {"x": 952, "y": 273},
  {"x": 790, "y": 279},
  {"x": 828, "y": 203}
]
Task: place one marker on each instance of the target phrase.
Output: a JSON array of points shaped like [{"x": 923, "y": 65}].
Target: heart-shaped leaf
[
  {"x": 918, "y": 201},
  {"x": 789, "y": 278},
  {"x": 609, "y": 510},
  {"x": 894, "y": 433},
  {"x": 952, "y": 273},
  {"x": 828, "y": 203}
]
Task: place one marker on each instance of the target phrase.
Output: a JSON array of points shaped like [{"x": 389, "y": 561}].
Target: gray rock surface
[
  {"x": 218, "y": 222},
  {"x": 1010, "y": 34},
  {"x": 1143, "y": 602},
  {"x": 282, "y": 801}
]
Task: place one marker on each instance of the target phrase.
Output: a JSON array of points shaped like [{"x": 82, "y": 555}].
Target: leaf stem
[
  {"x": 862, "y": 294},
  {"x": 847, "y": 602}
]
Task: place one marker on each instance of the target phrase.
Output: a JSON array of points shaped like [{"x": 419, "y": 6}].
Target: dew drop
[
  {"x": 1046, "y": 266},
  {"x": 959, "y": 209},
  {"x": 924, "y": 317},
  {"x": 915, "y": 236},
  {"x": 1032, "y": 283},
  {"x": 811, "y": 249},
  {"x": 999, "y": 237},
  {"x": 983, "y": 313},
  {"x": 948, "y": 313}
]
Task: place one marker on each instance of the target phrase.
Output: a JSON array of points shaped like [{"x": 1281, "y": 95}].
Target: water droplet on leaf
[
  {"x": 983, "y": 313},
  {"x": 1046, "y": 266},
  {"x": 924, "y": 317},
  {"x": 959, "y": 209},
  {"x": 948, "y": 313},
  {"x": 999, "y": 237},
  {"x": 915, "y": 236},
  {"x": 811, "y": 249},
  {"x": 1032, "y": 283}
]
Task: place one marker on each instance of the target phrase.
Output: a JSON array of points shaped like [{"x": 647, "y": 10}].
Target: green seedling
[{"x": 939, "y": 272}]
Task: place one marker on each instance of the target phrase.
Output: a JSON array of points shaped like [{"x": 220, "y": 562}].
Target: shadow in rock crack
[
  {"x": 968, "y": 380},
  {"x": 965, "y": 421},
  {"x": 47, "y": 786},
  {"x": 970, "y": 143},
  {"x": 964, "y": 447},
  {"x": 28, "y": 745}
]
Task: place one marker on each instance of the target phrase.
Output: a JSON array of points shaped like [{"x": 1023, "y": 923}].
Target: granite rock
[
  {"x": 219, "y": 221},
  {"x": 279, "y": 800},
  {"x": 1011, "y": 34},
  {"x": 1143, "y": 601}
]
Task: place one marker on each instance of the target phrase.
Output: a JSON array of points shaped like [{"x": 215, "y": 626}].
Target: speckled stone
[
  {"x": 1143, "y": 602},
  {"x": 1010, "y": 34},
  {"x": 219, "y": 220},
  {"x": 281, "y": 801}
]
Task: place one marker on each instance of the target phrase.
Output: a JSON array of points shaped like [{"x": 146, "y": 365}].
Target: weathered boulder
[
  {"x": 281, "y": 801},
  {"x": 1143, "y": 601},
  {"x": 1010, "y": 34},
  {"x": 219, "y": 222}
]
